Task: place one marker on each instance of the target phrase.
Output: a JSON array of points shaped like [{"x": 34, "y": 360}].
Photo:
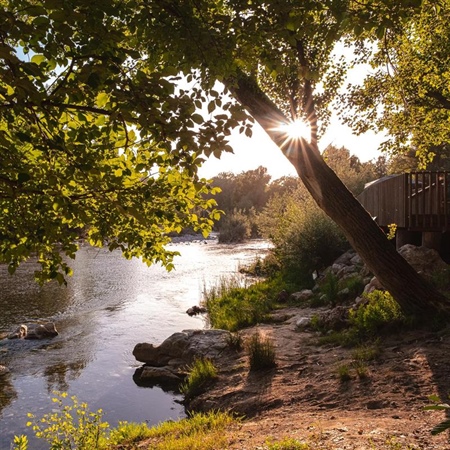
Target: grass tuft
[
  {"x": 261, "y": 352},
  {"x": 201, "y": 373}
]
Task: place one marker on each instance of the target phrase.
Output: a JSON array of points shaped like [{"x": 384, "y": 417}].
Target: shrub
[
  {"x": 330, "y": 287},
  {"x": 261, "y": 352},
  {"x": 305, "y": 239},
  {"x": 71, "y": 426},
  {"x": 380, "y": 312},
  {"x": 235, "y": 342},
  {"x": 234, "y": 228},
  {"x": 201, "y": 373}
]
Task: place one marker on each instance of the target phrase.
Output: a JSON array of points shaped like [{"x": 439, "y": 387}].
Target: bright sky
[
  {"x": 259, "y": 150},
  {"x": 250, "y": 153}
]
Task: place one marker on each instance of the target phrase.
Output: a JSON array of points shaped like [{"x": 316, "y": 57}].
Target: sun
[{"x": 297, "y": 129}]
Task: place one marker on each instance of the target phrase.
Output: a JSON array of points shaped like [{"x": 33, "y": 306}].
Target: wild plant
[{"x": 261, "y": 352}]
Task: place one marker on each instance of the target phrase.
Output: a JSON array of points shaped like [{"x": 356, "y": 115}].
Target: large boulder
[
  {"x": 34, "y": 331},
  {"x": 182, "y": 348},
  {"x": 426, "y": 261}
]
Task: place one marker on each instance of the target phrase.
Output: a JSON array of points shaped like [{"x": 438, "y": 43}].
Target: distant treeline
[{"x": 246, "y": 196}]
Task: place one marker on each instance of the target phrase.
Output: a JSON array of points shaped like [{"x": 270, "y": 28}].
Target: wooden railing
[
  {"x": 428, "y": 200},
  {"x": 415, "y": 201}
]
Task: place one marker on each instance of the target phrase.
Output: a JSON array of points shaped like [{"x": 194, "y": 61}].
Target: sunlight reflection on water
[{"x": 109, "y": 305}]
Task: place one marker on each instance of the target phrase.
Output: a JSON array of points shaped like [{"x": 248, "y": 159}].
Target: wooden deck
[{"x": 416, "y": 201}]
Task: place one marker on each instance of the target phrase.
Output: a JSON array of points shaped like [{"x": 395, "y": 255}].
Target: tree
[
  {"x": 270, "y": 56},
  {"x": 407, "y": 94},
  {"x": 94, "y": 141}
]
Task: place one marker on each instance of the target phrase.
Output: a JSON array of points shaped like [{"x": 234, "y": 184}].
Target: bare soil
[{"x": 304, "y": 397}]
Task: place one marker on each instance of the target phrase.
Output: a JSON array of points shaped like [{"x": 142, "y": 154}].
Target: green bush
[
  {"x": 232, "y": 305},
  {"x": 261, "y": 352},
  {"x": 330, "y": 287},
  {"x": 234, "y": 228},
  {"x": 304, "y": 238},
  {"x": 186, "y": 434},
  {"x": 201, "y": 373},
  {"x": 381, "y": 312}
]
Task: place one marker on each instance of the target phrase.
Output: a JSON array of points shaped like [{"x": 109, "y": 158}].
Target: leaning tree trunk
[{"x": 413, "y": 293}]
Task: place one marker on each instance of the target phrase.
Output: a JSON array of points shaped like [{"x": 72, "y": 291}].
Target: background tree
[{"x": 407, "y": 94}]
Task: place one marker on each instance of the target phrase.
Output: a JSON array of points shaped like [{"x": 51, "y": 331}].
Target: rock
[
  {"x": 183, "y": 348},
  {"x": 335, "y": 319},
  {"x": 19, "y": 333},
  {"x": 356, "y": 260},
  {"x": 373, "y": 285},
  {"x": 195, "y": 310},
  {"x": 3, "y": 370},
  {"x": 34, "y": 331},
  {"x": 425, "y": 261},
  {"x": 336, "y": 267},
  {"x": 302, "y": 323},
  {"x": 41, "y": 331},
  {"x": 283, "y": 297},
  {"x": 345, "y": 258},
  {"x": 302, "y": 296},
  {"x": 158, "y": 374}
]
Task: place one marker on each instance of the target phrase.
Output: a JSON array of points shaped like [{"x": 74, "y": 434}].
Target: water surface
[{"x": 109, "y": 305}]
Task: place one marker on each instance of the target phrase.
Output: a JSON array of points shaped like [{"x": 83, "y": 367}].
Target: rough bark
[{"x": 414, "y": 294}]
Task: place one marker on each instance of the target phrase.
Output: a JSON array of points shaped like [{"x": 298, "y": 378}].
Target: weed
[
  {"x": 330, "y": 287},
  {"x": 235, "y": 341},
  {"x": 261, "y": 352},
  {"x": 201, "y": 373},
  {"x": 367, "y": 352},
  {"x": 361, "y": 369},
  {"x": 287, "y": 444},
  {"x": 354, "y": 284},
  {"x": 344, "y": 372},
  {"x": 71, "y": 426}
]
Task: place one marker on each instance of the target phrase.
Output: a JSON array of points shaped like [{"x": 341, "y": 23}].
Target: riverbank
[{"x": 306, "y": 398}]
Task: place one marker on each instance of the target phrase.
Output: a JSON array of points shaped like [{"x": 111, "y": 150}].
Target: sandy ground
[{"x": 305, "y": 398}]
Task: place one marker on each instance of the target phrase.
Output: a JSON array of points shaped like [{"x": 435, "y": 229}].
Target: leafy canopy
[
  {"x": 407, "y": 94},
  {"x": 108, "y": 108},
  {"x": 96, "y": 139}
]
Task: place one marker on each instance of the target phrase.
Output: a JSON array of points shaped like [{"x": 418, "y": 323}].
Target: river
[{"x": 109, "y": 305}]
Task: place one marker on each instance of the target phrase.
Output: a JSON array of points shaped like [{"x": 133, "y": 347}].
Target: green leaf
[
  {"x": 102, "y": 99},
  {"x": 443, "y": 426},
  {"x": 197, "y": 118},
  {"x": 38, "y": 59}
]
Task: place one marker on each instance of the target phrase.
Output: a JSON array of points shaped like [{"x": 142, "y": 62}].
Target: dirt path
[{"x": 306, "y": 399}]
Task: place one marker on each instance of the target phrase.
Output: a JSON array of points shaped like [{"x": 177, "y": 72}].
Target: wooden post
[{"x": 432, "y": 239}]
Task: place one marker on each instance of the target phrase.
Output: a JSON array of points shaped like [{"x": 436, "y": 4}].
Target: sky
[{"x": 259, "y": 150}]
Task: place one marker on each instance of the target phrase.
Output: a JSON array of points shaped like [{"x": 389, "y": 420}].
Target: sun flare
[{"x": 297, "y": 129}]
